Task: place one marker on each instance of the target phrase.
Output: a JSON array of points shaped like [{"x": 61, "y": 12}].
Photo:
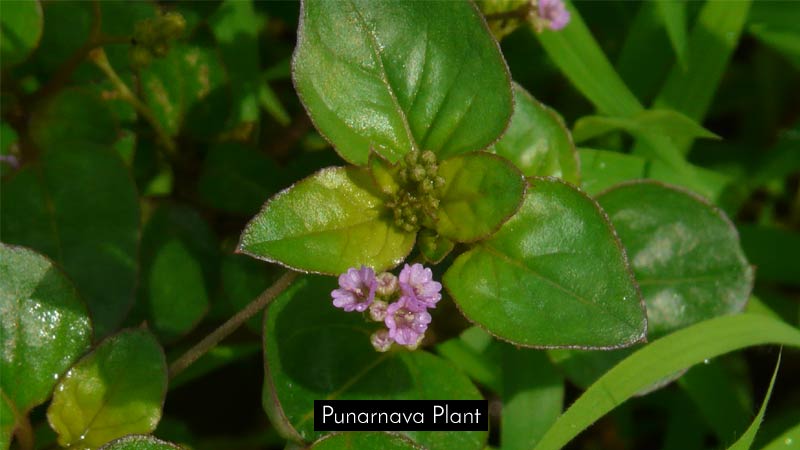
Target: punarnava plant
[{"x": 458, "y": 233}]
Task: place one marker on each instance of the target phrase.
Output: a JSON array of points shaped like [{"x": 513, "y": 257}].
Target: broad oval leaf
[
  {"x": 44, "y": 327},
  {"x": 185, "y": 90},
  {"x": 686, "y": 257},
  {"x": 326, "y": 223},
  {"x": 139, "y": 442},
  {"x": 480, "y": 193},
  {"x": 333, "y": 359},
  {"x": 537, "y": 140},
  {"x": 180, "y": 267},
  {"x": 116, "y": 390},
  {"x": 555, "y": 275},
  {"x": 361, "y": 440},
  {"x": 396, "y": 76},
  {"x": 20, "y": 31},
  {"x": 78, "y": 205},
  {"x": 73, "y": 117},
  {"x": 685, "y": 254}
]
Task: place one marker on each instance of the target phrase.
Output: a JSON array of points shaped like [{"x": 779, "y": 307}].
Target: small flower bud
[
  {"x": 418, "y": 173},
  {"x": 428, "y": 157},
  {"x": 431, "y": 171},
  {"x": 387, "y": 285},
  {"x": 381, "y": 341},
  {"x": 377, "y": 310},
  {"x": 173, "y": 25}
]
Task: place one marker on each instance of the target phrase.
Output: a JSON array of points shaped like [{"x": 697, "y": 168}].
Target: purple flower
[
  {"x": 381, "y": 341},
  {"x": 417, "y": 283},
  {"x": 406, "y": 321},
  {"x": 554, "y": 13},
  {"x": 356, "y": 289}
]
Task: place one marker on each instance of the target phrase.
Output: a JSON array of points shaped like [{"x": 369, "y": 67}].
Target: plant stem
[
  {"x": 98, "y": 56},
  {"x": 24, "y": 432},
  {"x": 232, "y": 324},
  {"x": 520, "y": 13}
]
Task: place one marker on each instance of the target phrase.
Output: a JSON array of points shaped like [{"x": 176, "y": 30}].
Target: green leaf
[
  {"x": 368, "y": 439},
  {"x": 78, "y": 206},
  {"x": 533, "y": 397},
  {"x": 662, "y": 358},
  {"x": 673, "y": 15},
  {"x": 476, "y": 354},
  {"x": 269, "y": 101},
  {"x": 671, "y": 124},
  {"x": 645, "y": 40},
  {"x": 116, "y": 390},
  {"x": 236, "y": 26},
  {"x": 333, "y": 359},
  {"x": 537, "y": 140},
  {"x": 44, "y": 328},
  {"x": 73, "y": 117},
  {"x": 685, "y": 254},
  {"x": 178, "y": 299},
  {"x": 746, "y": 440},
  {"x": 434, "y": 248},
  {"x": 139, "y": 442},
  {"x": 20, "y": 31},
  {"x": 579, "y": 57},
  {"x": 68, "y": 28},
  {"x": 401, "y": 76},
  {"x": 384, "y": 173},
  {"x": 602, "y": 169},
  {"x": 555, "y": 275},
  {"x": 480, "y": 193},
  {"x": 236, "y": 178},
  {"x": 687, "y": 260},
  {"x": 180, "y": 267},
  {"x": 327, "y": 223},
  {"x": 659, "y": 129},
  {"x": 776, "y": 26},
  {"x": 185, "y": 89}
]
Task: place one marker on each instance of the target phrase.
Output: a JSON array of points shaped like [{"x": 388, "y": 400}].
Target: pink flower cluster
[{"x": 402, "y": 302}]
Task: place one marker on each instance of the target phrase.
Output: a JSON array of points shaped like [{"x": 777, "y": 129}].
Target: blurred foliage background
[{"x": 156, "y": 161}]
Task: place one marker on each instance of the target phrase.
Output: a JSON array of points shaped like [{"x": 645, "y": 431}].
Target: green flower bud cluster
[
  {"x": 417, "y": 201},
  {"x": 152, "y": 37}
]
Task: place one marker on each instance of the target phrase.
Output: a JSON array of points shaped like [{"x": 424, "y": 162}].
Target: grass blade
[
  {"x": 746, "y": 440},
  {"x": 578, "y": 55},
  {"x": 663, "y": 357}
]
